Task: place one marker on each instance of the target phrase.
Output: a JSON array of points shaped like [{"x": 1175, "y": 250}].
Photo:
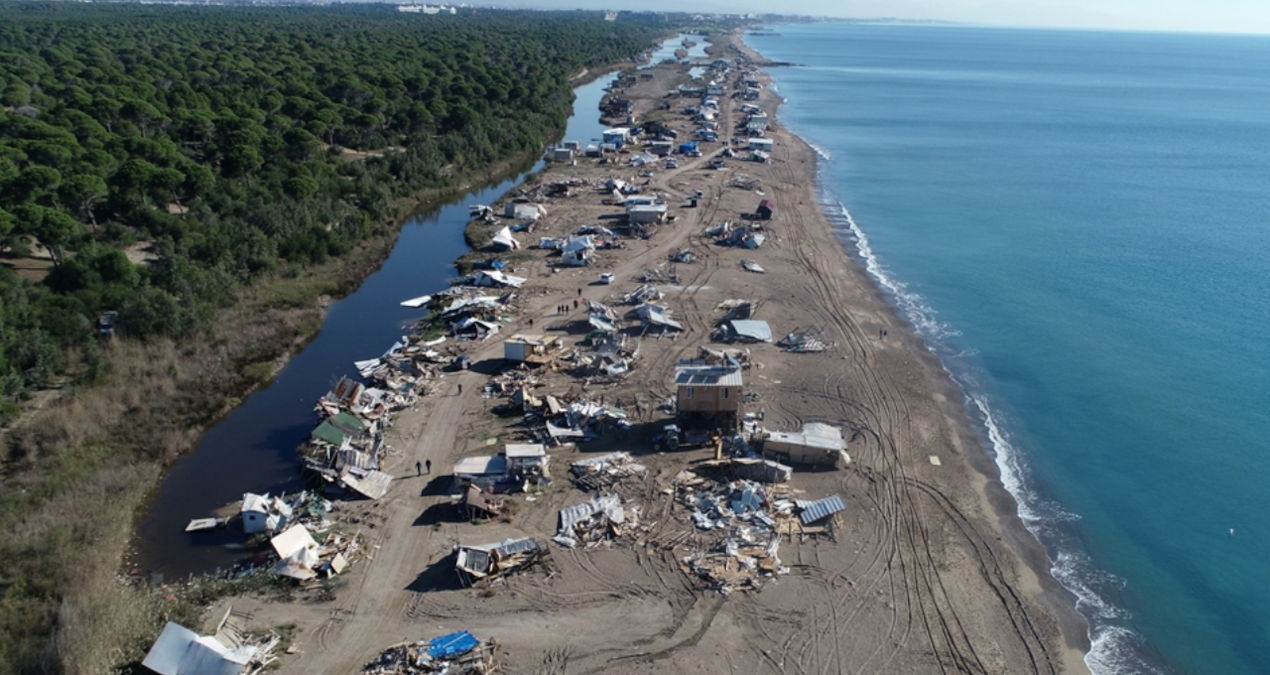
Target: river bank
[
  {"x": 922, "y": 573},
  {"x": 114, "y": 440}
]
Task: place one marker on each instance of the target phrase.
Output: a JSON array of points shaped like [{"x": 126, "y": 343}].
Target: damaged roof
[
  {"x": 752, "y": 329},
  {"x": 820, "y": 509}
]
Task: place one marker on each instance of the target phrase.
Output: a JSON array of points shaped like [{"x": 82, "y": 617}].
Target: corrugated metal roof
[
  {"x": 813, "y": 435},
  {"x": 822, "y": 508},
  {"x": 571, "y": 515},
  {"x": 513, "y": 546},
  {"x": 752, "y": 329}
]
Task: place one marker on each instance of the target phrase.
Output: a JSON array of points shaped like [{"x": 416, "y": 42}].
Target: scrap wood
[
  {"x": 600, "y": 519},
  {"x": 603, "y": 471},
  {"x": 456, "y": 653}
]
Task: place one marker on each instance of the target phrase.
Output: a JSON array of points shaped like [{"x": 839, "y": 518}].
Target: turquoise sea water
[{"x": 1079, "y": 225}]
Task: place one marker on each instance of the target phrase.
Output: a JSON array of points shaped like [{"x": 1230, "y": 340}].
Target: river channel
[{"x": 254, "y": 448}]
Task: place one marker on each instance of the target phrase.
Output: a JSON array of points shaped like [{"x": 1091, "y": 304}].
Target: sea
[{"x": 1078, "y": 224}]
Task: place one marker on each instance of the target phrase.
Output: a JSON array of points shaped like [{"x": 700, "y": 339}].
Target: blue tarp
[
  {"x": 687, "y": 147},
  {"x": 453, "y": 644}
]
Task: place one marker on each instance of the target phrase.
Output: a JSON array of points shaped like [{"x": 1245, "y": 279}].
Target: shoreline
[
  {"x": 1057, "y": 599},
  {"x": 926, "y": 574}
]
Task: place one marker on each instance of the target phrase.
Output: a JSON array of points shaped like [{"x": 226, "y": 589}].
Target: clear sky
[{"x": 1227, "y": 16}]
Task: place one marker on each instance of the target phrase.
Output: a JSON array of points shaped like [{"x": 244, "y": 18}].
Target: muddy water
[{"x": 253, "y": 449}]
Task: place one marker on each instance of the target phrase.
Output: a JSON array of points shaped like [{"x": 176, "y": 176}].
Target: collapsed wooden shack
[{"x": 487, "y": 562}]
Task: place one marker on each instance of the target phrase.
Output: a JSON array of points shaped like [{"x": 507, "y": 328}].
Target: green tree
[
  {"x": 50, "y": 227},
  {"x": 81, "y": 192}
]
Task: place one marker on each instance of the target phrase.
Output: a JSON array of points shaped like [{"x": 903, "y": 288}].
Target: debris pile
[
  {"x": 683, "y": 255},
  {"x": 611, "y": 354},
  {"x": 302, "y": 558},
  {"x": 487, "y": 562},
  {"x": 745, "y": 236},
  {"x": 805, "y": 342},
  {"x": 741, "y": 561},
  {"x": 652, "y": 276},
  {"x": 642, "y": 294},
  {"x": 179, "y": 650},
  {"x": 595, "y": 473},
  {"x": 592, "y": 523},
  {"x": 454, "y": 654},
  {"x": 745, "y": 511}
]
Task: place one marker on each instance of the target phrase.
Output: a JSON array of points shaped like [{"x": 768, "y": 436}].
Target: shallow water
[{"x": 1076, "y": 223}]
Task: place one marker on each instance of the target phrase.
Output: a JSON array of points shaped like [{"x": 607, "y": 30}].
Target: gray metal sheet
[{"x": 822, "y": 508}]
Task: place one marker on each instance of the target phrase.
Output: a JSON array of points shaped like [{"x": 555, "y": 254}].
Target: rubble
[
  {"x": 751, "y": 517},
  {"x": 595, "y": 473},
  {"x": 453, "y": 654},
  {"x": 180, "y": 651},
  {"x": 683, "y": 255},
  {"x": 302, "y": 558},
  {"x": 643, "y": 294},
  {"x": 486, "y": 562},
  {"x": 805, "y": 342},
  {"x": 598, "y": 520},
  {"x": 745, "y": 236}
]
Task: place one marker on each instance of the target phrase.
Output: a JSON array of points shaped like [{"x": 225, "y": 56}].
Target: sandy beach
[{"x": 929, "y": 569}]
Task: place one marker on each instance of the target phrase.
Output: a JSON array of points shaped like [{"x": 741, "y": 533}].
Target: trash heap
[
  {"x": 805, "y": 342},
  {"x": 597, "y": 521},
  {"x": 487, "y": 562},
  {"x": 604, "y": 471},
  {"x": 683, "y": 255},
  {"x": 612, "y": 355},
  {"x": 748, "y": 516},
  {"x": 180, "y": 650},
  {"x": 277, "y": 513},
  {"x": 643, "y": 294},
  {"x": 454, "y": 654},
  {"x": 739, "y": 562},
  {"x": 303, "y": 559}
]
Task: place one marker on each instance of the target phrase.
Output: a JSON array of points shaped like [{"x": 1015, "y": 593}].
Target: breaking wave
[{"x": 1114, "y": 648}]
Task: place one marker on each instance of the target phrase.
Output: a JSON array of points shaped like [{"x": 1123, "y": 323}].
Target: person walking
[
  {"x": 428, "y": 464},
  {"x": 460, "y": 388},
  {"x": 418, "y": 468},
  {"x": 579, "y": 292}
]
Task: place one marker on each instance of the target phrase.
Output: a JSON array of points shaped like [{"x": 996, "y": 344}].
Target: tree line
[{"x": 219, "y": 136}]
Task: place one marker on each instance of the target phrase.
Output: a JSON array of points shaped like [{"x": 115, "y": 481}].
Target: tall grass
[{"x": 75, "y": 473}]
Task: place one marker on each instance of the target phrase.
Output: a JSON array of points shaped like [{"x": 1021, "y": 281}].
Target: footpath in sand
[{"x": 927, "y": 570}]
